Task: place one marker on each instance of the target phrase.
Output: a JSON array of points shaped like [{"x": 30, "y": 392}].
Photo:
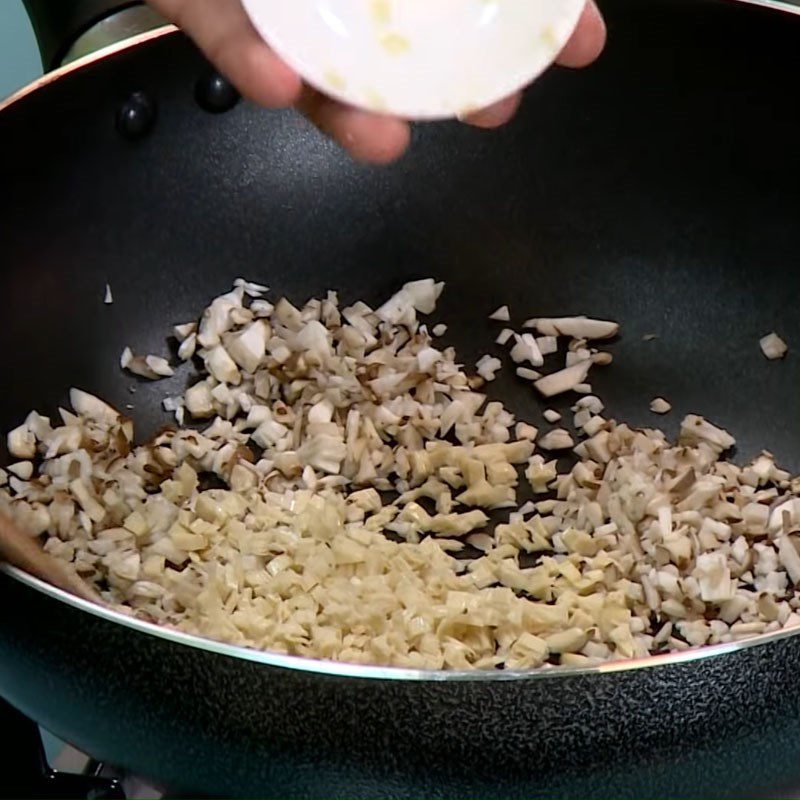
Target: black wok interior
[{"x": 658, "y": 188}]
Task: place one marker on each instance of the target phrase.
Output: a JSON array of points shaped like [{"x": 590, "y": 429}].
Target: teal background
[{"x": 19, "y": 58}]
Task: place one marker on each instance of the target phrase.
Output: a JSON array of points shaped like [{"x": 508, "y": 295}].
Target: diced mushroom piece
[
  {"x": 547, "y": 345},
  {"x": 21, "y": 442},
  {"x": 773, "y": 347},
  {"x": 714, "y": 577},
  {"x": 660, "y": 406},
  {"x": 789, "y": 557},
  {"x": 188, "y": 347},
  {"x": 250, "y": 288},
  {"x": 568, "y": 641},
  {"x": 153, "y": 368},
  {"x": 439, "y": 330},
  {"x": 558, "y": 439},
  {"x": 551, "y": 415},
  {"x": 528, "y": 374},
  {"x": 602, "y": 359},
  {"x": 415, "y": 296},
  {"x": 199, "y": 401},
  {"x": 785, "y": 516},
  {"x": 502, "y": 314},
  {"x": 458, "y": 524},
  {"x": 526, "y": 349},
  {"x": 564, "y": 380},
  {"x": 22, "y": 469},
  {"x": 487, "y": 366},
  {"x": 91, "y": 407},
  {"x": 504, "y": 336},
  {"x": 695, "y": 429},
  {"x": 525, "y": 431},
  {"x": 247, "y": 348},
  {"x": 222, "y": 366},
  {"x": 575, "y": 327},
  {"x": 184, "y": 331}
]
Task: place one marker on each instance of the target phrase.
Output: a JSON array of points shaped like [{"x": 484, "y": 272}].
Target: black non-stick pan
[{"x": 660, "y": 188}]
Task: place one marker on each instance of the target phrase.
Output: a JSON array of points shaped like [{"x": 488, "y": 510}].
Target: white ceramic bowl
[{"x": 419, "y": 59}]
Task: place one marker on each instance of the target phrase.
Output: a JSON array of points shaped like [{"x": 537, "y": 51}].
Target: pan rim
[
  {"x": 336, "y": 669},
  {"x": 43, "y": 81},
  {"x": 168, "y": 29},
  {"x": 331, "y": 668}
]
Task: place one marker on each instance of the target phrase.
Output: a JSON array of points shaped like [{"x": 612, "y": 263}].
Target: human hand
[{"x": 222, "y": 30}]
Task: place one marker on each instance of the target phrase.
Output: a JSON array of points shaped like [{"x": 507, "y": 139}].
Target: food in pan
[{"x": 338, "y": 487}]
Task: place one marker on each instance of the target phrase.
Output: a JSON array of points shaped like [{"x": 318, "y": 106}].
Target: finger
[
  {"x": 366, "y": 136},
  {"x": 496, "y": 115},
  {"x": 223, "y": 31},
  {"x": 588, "y": 40}
]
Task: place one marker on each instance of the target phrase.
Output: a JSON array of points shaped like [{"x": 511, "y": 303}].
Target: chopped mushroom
[
  {"x": 502, "y": 314},
  {"x": 558, "y": 439},
  {"x": 563, "y": 381},
  {"x": 352, "y": 459},
  {"x": 773, "y": 347},
  {"x": 551, "y": 415},
  {"x": 575, "y": 327},
  {"x": 504, "y": 336},
  {"x": 660, "y": 406},
  {"x": 153, "y": 368}
]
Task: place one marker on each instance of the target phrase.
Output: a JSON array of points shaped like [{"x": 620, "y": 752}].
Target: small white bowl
[{"x": 418, "y": 59}]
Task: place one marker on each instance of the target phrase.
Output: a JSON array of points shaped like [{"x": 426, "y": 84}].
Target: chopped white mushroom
[
  {"x": 159, "y": 366},
  {"x": 558, "y": 439},
  {"x": 91, "y": 407},
  {"x": 439, "y": 330},
  {"x": 221, "y": 366},
  {"x": 502, "y": 314},
  {"x": 660, "y": 406},
  {"x": 528, "y": 374},
  {"x": 329, "y": 429},
  {"x": 250, "y": 288},
  {"x": 551, "y": 415},
  {"x": 575, "y": 327},
  {"x": 563, "y": 381},
  {"x": 22, "y": 469},
  {"x": 21, "y": 442},
  {"x": 414, "y": 296},
  {"x": 789, "y": 557},
  {"x": 504, "y": 336},
  {"x": 188, "y": 347},
  {"x": 183, "y": 332},
  {"x": 488, "y": 366},
  {"x": 547, "y": 345},
  {"x": 248, "y": 347},
  {"x": 773, "y": 347},
  {"x": 108, "y": 298},
  {"x": 153, "y": 368},
  {"x": 526, "y": 349}
]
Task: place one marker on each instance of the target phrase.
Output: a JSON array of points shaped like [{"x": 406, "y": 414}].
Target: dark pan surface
[{"x": 658, "y": 188}]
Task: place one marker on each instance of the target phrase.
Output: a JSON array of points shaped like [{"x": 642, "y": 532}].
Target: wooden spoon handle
[{"x": 24, "y": 552}]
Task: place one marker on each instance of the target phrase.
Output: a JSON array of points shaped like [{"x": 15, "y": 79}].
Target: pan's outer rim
[
  {"x": 336, "y": 669},
  {"x": 331, "y": 668},
  {"x": 82, "y": 63},
  {"x": 168, "y": 30}
]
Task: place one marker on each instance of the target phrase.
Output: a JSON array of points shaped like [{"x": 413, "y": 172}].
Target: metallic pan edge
[
  {"x": 78, "y": 64},
  {"x": 300, "y": 664}
]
